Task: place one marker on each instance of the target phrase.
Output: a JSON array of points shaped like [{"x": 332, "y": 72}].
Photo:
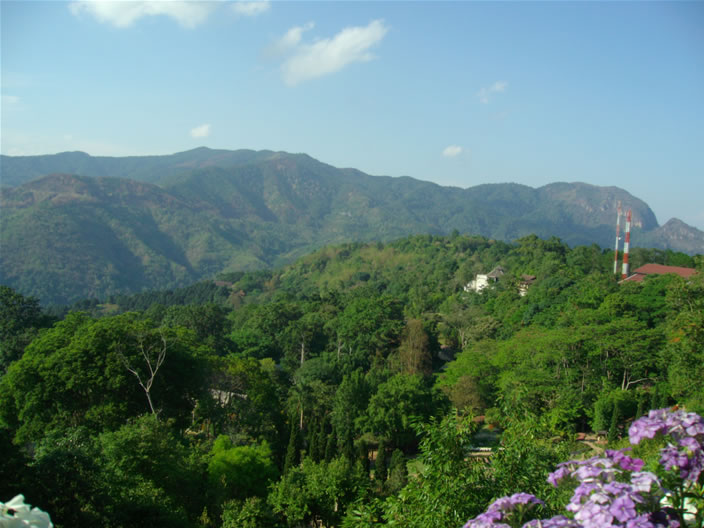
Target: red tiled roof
[{"x": 658, "y": 269}]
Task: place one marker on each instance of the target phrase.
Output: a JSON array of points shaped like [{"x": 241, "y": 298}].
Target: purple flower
[
  {"x": 560, "y": 473},
  {"x": 646, "y": 427},
  {"x": 487, "y": 520},
  {"x": 646, "y": 482},
  {"x": 500, "y": 508},
  {"x": 641, "y": 521},
  {"x": 594, "y": 516},
  {"x": 508, "y": 504},
  {"x": 691, "y": 444},
  {"x": 681, "y": 423},
  {"x": 686, "y": 429},
  {"x": 623, "y": 508},
  {"x": 525, "y": 498},
  {"x": 581, "y": 492},
  {"x": 624, "y": 461},
  {"x": 589, "y": 472},
  {"x": 622, "y": 489},
  {"x": 677, "y": 424},
  {"x": 689, "y": 463}
]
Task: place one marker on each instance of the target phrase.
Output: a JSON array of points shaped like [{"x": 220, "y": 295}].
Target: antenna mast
[{"x": 618, "y": 227}]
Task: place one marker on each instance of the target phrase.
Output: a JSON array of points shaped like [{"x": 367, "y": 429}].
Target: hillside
[
  {"x": 358, "y": 378},
  {"x": 97, "y": 226}
]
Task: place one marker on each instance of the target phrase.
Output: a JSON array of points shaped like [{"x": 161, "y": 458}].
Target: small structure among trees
[{"x": 526, "y": 282}]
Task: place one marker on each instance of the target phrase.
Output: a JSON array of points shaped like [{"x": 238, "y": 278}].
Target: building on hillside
[
  {"x": 658, "y": 269},
  {"x": 526, "y": 281},
  {"x": 481, "y": 280}
]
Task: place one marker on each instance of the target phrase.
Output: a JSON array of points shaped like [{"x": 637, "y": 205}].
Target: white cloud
[
  {"x": 292, "y": 38},
  {"x": 10, "y": 99},
  {"x": 254, "y": 8},
  {"x": 330, "y": 55},
  {"x": 201, "y": 131},
  {"x": 485, "y": 93},
  {"x": 124, "y": 13},
  {"x": 452, "y": 151}
]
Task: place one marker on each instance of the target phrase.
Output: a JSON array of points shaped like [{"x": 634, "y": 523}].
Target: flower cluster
[
  {"x": 513, "y": 506},
  {"x": 686, "y": 429},
  {"x": 17, "y": 514},
  {"x": 612, "y": 491}
]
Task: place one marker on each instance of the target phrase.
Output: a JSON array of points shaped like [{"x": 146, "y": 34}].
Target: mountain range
[{"x": 74, "y": 226}]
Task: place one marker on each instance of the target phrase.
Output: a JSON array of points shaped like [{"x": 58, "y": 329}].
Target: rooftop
[{"x": 659, "y": 269}]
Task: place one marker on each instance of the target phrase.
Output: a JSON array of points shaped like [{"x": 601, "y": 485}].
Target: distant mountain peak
[{"x": 676, "y": 222}]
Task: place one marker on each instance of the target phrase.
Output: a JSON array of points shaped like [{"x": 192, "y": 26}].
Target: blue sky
[{"x": 459, "y": 93}]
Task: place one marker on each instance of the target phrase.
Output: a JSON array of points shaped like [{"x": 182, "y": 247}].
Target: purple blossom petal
[{"x": 623, "y": 508}]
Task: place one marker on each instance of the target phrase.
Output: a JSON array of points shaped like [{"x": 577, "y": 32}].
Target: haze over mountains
[{"x": 76, "y": 226}]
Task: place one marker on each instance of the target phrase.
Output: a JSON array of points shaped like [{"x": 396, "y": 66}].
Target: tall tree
[{"x": 414, "y": 352}]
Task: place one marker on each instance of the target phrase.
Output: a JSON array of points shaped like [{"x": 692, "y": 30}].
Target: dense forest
[{"x": 361, "y": 386}]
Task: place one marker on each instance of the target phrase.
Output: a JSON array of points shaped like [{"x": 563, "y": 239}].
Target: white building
[{"x": 481, "y": 280}]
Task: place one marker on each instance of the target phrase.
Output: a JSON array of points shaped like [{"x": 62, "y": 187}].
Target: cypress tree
[
  {"x": 640, "y": 411},
  {"x": 321, "y": 440},
  {"x": 312, "y": 441},
  {"x": 663, "y": 399},
  {"x": 613, "y": 430},
  {"x": 348, "y": 448},
  {"x": 380, "y": 468},
  {"x": 292, "y": 449},
  {"x": 330, "y": 447},
  {"x": 363, "y": 455},
  {"x": 398, "y": 474},
  {"x": 654, "y": 397}
]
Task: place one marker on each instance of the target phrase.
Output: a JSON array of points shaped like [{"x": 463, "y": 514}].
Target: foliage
[
  {"x": 318, "y": 491},
  {"x": 76, "y": 374},
  {"x": 450, "y": 487},
  {"x": 139, "y": 475},
  {"x": 397, "y": 405},
  {"x": 243, "y": 471},
  {"x": 251, "y": 512},
  {"x": 262, "y": 409},
  {"x": 20, "y": 320}
]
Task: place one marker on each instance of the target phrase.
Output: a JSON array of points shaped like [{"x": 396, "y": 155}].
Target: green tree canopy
[{"x": 78, "y": 373}]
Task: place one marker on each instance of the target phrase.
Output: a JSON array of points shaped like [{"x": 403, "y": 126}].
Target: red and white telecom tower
[{"x": 626, "y": 245}]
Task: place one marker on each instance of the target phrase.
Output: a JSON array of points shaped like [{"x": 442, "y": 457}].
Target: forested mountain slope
[
  {"x": 343, "y": 389},
  {"x": 67, "y": 236}
]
